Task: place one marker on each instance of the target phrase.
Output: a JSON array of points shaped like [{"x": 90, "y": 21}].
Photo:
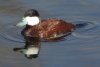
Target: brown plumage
[{"x": 49, "y": 29}]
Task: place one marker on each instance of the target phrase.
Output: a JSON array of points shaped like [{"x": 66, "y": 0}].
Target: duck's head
[
  {"x": 29, "y": 52},
  {"x": 31, "y": 17}
]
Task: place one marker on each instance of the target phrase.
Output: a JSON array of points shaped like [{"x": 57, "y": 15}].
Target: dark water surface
[{"x": 72, "y": 52}]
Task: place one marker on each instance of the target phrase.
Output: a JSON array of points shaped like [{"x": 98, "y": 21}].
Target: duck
[{"x": 46, "y": 29}]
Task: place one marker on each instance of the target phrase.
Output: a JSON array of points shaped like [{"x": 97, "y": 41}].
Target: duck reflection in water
[
  {"x": 31, "y": 48},
  {"x": 36, "y": 29}
]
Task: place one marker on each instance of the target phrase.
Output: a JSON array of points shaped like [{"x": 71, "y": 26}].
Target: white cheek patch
[
  {"x": 32, "y": 20},
  {"x": 32, "y": 50}
]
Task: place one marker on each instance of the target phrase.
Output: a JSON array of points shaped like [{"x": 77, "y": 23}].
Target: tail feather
[
  {"x": 85, "y": 27},
  {"x": 81, "y": 25},
  {"x": 85, "y": 24}
]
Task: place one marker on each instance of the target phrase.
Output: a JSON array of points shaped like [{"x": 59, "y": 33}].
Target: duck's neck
[{"x": 32, "y": 21}]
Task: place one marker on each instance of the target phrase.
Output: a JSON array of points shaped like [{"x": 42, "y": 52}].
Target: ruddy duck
[{"x": 47, "y": 29}]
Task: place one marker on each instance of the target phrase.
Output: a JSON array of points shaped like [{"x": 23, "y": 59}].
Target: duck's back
[{"x": 54, "y": 28}]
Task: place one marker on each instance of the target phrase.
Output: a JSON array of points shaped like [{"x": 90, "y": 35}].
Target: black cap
[{"x": 31, "y": 12}]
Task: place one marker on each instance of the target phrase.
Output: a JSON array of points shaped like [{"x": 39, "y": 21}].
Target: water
[{"x": 72, "y": 52}]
